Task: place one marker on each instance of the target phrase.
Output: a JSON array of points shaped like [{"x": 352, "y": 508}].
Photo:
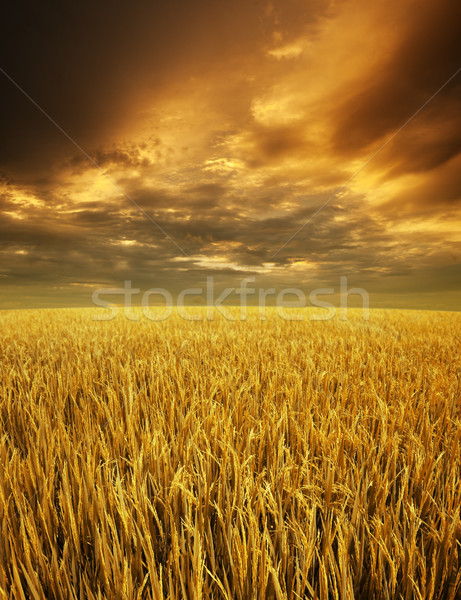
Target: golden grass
[{"x": 230, "y": 459}]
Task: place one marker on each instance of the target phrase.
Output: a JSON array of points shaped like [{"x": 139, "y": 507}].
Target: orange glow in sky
[{"x": 229, "y": 125}]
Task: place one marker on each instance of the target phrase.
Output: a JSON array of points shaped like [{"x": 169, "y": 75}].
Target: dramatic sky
[{"x": 216, "y": 130}]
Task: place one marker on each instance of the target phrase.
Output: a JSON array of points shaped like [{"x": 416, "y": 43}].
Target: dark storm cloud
[
  {"x": 39, "y": 254},
  {"x": 427, "y": 55},
  {"x": 88, "y": 63},
  {"x": 437, "y": 193},
  {"x": 98, "y": 234}
]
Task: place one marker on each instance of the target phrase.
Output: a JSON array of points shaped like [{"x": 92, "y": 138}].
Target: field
[{"x": 216, "y": 459}]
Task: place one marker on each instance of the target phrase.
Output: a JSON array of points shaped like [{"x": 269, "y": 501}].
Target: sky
[{"x": 293, "y": 142}]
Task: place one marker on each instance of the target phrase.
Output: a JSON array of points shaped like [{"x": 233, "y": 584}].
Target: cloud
[
  {"x": 437, "y": 191},
  {"x": 427, "y": 54},
  {"x": 230, "y": 125},
  {"x": 94, "y": 65}
]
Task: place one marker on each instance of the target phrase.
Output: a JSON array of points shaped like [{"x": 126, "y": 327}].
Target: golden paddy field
[{"x": 241, "y": 460}]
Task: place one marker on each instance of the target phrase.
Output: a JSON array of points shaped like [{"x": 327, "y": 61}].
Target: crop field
[{"x": 230, "y": 459}]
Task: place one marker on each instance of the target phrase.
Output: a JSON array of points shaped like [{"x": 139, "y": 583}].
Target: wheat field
[{"x": 214, "y": 459}]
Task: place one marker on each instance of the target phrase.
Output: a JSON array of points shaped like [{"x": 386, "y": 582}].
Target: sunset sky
[{"x": 227, "y": 125}]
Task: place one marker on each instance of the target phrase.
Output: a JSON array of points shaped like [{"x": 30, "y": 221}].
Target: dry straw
[{"x": 245, "y": 460}]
